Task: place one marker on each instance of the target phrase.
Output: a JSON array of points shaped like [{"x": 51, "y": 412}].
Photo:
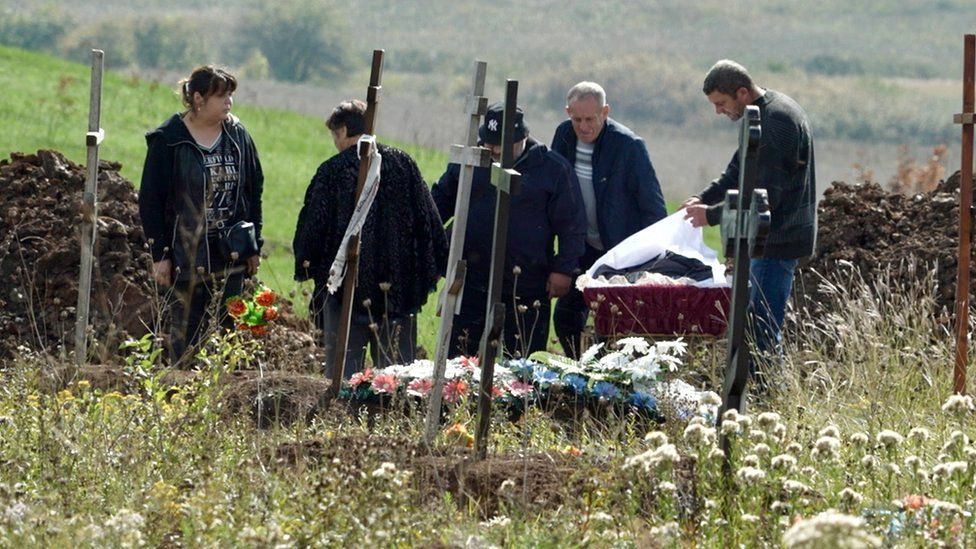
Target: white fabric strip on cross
[{"x": 338, "y": 270}]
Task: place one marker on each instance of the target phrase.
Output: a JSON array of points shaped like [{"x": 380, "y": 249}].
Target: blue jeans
[{"x": 772, "y": 281}]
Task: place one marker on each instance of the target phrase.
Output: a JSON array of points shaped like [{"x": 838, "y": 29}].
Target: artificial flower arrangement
[
  {"x": 255, "y": 313},
  {"x": 635, "y": 375}
]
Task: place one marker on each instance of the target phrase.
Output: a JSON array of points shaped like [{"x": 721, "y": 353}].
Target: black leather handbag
[{"x": 238, "y": 239}]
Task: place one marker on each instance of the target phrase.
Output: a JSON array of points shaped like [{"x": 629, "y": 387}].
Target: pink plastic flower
[
  {"x": 385, "y": 383},
  {"x": 469, "y": 362},
  {"x": 420, "y": 387},
  {"x": 519, "y": 389},
  {"x": 359, "y": 378},
  {"x": 455, "y": 390}
]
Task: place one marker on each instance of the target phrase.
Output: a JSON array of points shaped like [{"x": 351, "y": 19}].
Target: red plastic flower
[
  {"x": 455, "y": 390},
  {"x": 361, "y": 377},
  {"x": 265, "y": 298},
  {"x": 259, "y": 330},
  {"x": 270, "y": 314},
  {"x": 420, "y": 387},
  {"x": 236, "y": 306}
]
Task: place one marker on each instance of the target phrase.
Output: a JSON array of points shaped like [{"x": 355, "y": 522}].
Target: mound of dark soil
[
  {"x": 875, "y": 230},
  {"x": 40, "y": 251}
]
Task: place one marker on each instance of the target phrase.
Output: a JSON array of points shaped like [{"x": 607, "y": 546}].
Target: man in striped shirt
[{"x": 620, "y": 190}]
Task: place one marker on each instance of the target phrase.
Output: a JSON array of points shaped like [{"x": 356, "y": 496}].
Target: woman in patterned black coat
[{"x": 403, "y": 248}]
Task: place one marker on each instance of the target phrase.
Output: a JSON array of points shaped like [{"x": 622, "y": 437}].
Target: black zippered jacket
[{"x": 173, "y": 192}]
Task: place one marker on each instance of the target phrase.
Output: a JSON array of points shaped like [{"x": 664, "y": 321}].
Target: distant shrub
[
  {"x": 169, "y": 43},
  {"x": 40, "y": 30}
]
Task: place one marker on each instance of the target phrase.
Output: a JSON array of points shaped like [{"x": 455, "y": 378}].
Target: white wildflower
[
  {"x": 730, "y": 415},
  {"x": 784, "y": 462},
  {"x": 756, "y": 435},
  {"x": 746, "y": 517},
  {"x": 795, "y": 487},
  {"x": 780, "y": 507},
  {"x": 508, "y": 489},
  {"x": 761, "y": 449},
  {"x": 730, "y": 428},
  {"x": 808, "y": 472},
  {"x": 851, "y": 497},
  {"x": 500, "y": 521},
  {"x": 870, "y": 462},
  {"x": 827, "y": 444},
  {"x": 385, "y": 469},
  {"x": 779, "y": 431},
  {"x": 656, "y": 438},
  {"x": 890, "y": 438},
  {"x": 860, "y": 439},
  {"x": 668, "y": 530},
  {"x": 676, "y": 347},
  {"x": 653, "y": 458},
  {"x": 601, "y": 516},
  {"x": 959, "y": 405},
  {"x": 15, "y": 513},
  {"x": 711, "y": 398},
  {"x": 751, "y": 474},
  {"x": 794, "y": 448},
  {"x": 830, "y": 529},
  {"x": 745, "y": 421},
  {"x": 830, "y": 431},
  {"x": 667, "y": 487},
  {"x": 919, "y": 434},
  {"x": 752, "y": 460},
  {"x": 699, "y": 435},
  {"x": 913, "y": 462},
  {"x": 716, "y": 454},
  {"x": 893, "y": 469},
  {"x": 768, "y": 419}
]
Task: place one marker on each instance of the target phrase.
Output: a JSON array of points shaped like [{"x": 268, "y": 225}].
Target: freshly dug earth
[
  {"x": 40, "y": 199},
  {"x": 874, "y": 231}
]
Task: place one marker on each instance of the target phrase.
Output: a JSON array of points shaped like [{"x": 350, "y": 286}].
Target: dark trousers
[
  {"x": 571, "y": 312},
  {"x": 525, "y": 332},
  {"x": 193, "y": 308},
  {"x": 391, "y": 340}
]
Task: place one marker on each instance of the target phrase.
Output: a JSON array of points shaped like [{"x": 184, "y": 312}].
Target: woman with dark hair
[{"x": 201, "y": 177}]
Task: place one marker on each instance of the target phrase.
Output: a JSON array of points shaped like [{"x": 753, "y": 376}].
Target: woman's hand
[
  {"x": 252, "y": 264},
  {"x": 163, "y": 272}
]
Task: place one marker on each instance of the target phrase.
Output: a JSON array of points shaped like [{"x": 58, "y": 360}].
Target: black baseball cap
[{"x": 490, "y": 131}]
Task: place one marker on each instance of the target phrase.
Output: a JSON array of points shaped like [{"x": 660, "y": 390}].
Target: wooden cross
[
  {"x": 965, "y": 118},
  {"x": 89, "y": 207},
  {"x": 508, "y": 182},
  {"x": 352, "y": 256},
  {"x": 745, "y": 224},
  {"x": 469, "y": 156}
]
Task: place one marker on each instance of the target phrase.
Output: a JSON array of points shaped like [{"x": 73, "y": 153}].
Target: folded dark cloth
[{"x": 670, "y": 264}]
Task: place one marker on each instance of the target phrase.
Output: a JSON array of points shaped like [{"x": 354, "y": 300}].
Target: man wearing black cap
[
  {"x": 548, "y": 206},
  {"x": 619, "y": 188}
]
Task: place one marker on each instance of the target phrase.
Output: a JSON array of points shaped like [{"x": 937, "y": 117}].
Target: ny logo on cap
[{"x": 493, "y": 125}]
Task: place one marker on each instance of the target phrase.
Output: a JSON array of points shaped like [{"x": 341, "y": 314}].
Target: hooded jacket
[
  {"x": 402, "y": 240},
  {"x": 173, "y": 194},
  {"x": 548, "y": 205},
  {"x": 628, "y": 194}
]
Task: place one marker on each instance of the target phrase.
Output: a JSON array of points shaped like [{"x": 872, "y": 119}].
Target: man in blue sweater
[
  {"x": 786, "y": 171},
  {"x": 548, "y": 206},
  {"x": 619, "y": 188}
]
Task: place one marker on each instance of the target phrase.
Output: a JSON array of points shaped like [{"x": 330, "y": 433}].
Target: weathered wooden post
[
  {"x": 508, "y": 182},
  {"x": 89, "y": 207},
  {"x": 965, "y": 118},
  {"x": 469, "y": 156},
  {"x": 352, "y": 257},
  {"x": 745, "y": 224}
]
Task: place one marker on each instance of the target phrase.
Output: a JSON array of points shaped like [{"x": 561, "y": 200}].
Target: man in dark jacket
[
  {"x": 620, "y": 190},
  {"x": 547, "y": 206},
  {"x": 786, "y": 171},
  {"x": 403, "y": 246}
]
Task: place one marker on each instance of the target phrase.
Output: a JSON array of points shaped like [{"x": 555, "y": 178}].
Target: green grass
[{"x": 46, "y": 107}]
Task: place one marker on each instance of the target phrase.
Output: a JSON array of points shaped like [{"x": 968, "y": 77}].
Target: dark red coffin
[{"x": 659, "y": 310}]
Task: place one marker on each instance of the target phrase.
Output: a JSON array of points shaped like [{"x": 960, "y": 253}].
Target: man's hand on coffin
[
  {"x": 558, "y": 284},
  {"x": 697, "y": 214}
]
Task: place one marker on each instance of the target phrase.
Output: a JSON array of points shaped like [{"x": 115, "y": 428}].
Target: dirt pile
[
  {"x": 40, "y": 249},
  {"x": 40, "y": 255},
  {"x": 875, "y": 230}
]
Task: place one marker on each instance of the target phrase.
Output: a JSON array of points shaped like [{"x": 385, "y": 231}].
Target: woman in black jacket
[{"x": 202, "y": 175}]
